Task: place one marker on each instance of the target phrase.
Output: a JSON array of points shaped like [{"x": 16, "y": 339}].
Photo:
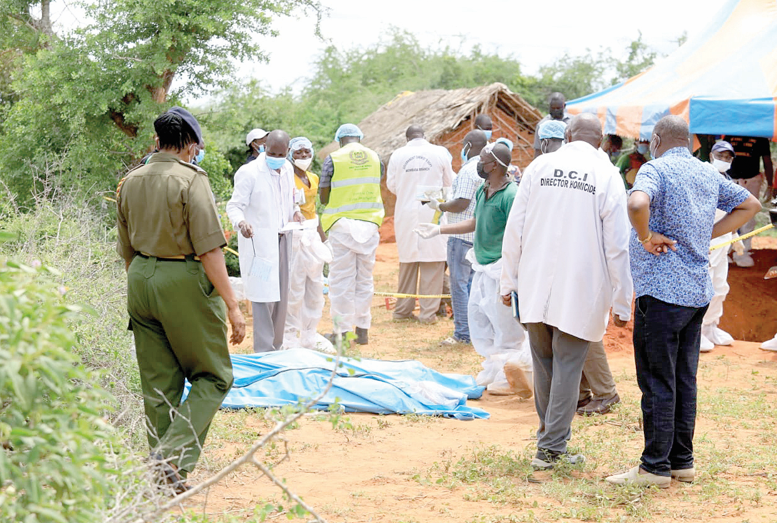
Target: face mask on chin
[{"x": 303, "y": 164}]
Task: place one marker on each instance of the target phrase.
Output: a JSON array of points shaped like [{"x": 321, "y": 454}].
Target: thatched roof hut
[{"x": 446, "y": 117}]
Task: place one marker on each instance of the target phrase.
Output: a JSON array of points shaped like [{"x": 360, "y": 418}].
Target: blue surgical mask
[
  {"x": 261, "y": 149},
  {"x": 642, "y": 148},
  {"x": 274, "y": 163},
  {"x": 464, "y": 152},
  {"x": 200, "y": 156},
  {"x": 488, "y": 134}
]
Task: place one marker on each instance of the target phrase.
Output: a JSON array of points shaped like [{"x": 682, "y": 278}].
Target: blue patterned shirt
[
  {"x": 684, "y": 193},
  {"x": 465, "y": 185}
]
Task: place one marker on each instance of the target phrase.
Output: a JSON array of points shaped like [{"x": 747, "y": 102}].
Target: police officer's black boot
[{"x": 361, "y": 336}]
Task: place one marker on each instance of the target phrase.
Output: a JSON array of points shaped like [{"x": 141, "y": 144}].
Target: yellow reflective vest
[{"x": 355, "y": 187}]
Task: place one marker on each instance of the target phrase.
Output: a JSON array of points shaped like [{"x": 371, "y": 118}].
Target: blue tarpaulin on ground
[{"x": 287, "y": 377}]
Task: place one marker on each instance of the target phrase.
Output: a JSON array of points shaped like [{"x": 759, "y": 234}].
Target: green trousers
[{"x": 179, "y": 323}]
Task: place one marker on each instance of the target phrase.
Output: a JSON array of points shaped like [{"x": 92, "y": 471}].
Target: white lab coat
[
  {"x": 256, "y": 200},
  {"x": 566, "y": 244},
  {"x": 416, "y": 164}
]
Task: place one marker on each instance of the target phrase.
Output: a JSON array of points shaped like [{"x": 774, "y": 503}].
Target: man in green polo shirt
[{"x": 495, "y": 334}]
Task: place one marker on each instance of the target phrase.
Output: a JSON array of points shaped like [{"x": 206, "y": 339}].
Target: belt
[{"x": 168, "y": 258}]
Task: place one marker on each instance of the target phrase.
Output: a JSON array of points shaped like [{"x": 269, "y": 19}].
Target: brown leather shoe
[
  {"x": 599, "y": 406},
  {"x": 583, "y": 402}
]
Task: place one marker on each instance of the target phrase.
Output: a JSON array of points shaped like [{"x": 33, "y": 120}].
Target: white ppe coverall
[
  {"x": 495, "y": 333},
  {"x": 306, "y": 292},
  {"x": 719, "y": 275},
  {"x": 354, "y": 243}
]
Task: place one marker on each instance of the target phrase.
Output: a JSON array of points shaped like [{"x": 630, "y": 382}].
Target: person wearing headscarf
[
  {"x": 349, "y": 187},
  {"x": 308, "y": 254}
]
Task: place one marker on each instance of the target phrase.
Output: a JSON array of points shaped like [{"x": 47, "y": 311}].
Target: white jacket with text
[{"x": 566, "y": 244}]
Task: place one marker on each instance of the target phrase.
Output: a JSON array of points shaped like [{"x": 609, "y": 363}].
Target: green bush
[{"x": 53, "y": 465}]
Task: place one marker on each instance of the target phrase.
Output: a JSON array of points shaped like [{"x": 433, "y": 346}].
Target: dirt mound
[
  {"x": 387, "y": 231},
  {"x": 750, "y": 310}
]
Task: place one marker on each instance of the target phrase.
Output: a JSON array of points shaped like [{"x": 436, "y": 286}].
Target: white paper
[
  {"x": 294, "y": 226},
  {"x": 260, "y": 269},
  {"x": 424, "y": 193}
]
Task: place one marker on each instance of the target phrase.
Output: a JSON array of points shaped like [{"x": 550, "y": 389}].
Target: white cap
[{"x": 255, "y": 134}]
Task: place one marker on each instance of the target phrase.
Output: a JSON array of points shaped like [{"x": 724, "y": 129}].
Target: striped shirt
[{"x": 465, "y": 185}]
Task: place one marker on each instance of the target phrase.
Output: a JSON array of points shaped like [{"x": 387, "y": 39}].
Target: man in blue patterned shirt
[{"x": 672, "y": 209}]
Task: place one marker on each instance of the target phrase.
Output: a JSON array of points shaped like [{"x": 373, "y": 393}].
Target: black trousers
[{"x": 666, "y": 352}]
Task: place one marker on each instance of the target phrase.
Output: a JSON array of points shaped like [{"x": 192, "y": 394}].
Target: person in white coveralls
[
  {"x": 722, "y": 155},
  {"x": 309, "y": 254},
  {"x": 566, "y": 254},
  {"x": 496, "y": 335}
]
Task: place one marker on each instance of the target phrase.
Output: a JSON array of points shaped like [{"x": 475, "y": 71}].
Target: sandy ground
[{"x": 411, "y": 469}]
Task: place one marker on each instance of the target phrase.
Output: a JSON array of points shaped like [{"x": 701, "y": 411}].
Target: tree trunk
[{"x": 45, "y": 18}]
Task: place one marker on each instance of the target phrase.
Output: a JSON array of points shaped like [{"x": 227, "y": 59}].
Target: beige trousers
[
  {"x": 419, "y": 278},
  {"x": 597, "y": 379}
]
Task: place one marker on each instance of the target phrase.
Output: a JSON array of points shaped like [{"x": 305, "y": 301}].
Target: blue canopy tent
[{"x": 723, "y": 81}]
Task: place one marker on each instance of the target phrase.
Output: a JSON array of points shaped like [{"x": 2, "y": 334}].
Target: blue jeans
[
  {"x": 461, "y": 282},
  {"x": 666, "y": 352}
]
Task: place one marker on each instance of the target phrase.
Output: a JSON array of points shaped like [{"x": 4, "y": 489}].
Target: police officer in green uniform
[{"x": 170, "y": 237}]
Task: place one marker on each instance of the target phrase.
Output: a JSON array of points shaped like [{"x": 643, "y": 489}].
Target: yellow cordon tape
[
  {"x": 232, "y": 251},
  {"x": 743, "y": 237},
  {"x": 399, "y": 295}
]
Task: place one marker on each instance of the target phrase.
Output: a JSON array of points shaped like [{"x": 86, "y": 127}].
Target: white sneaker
[
  {"x": 744, "y": 260},
  {"x": 770, "y": 345},
  {"x": 706, "y": 344},
  {"x": 633, "y": 477},
  {"x": 720, "y": 337}
]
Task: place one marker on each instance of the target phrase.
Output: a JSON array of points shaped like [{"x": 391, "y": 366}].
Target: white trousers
[
  {"x": 495, "y": 333},
  {"x": 350, "y": 280},
  {"x": 719, "y": 275},
  {"x": 306, "y": 294},
  {"x": 753, "y": 185}
]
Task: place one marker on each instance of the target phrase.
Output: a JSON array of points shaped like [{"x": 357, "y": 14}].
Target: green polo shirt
[{"x": 490, "y": 221}]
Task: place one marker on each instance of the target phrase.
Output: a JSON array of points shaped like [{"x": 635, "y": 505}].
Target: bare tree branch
[{"x": 248, "y": 458}]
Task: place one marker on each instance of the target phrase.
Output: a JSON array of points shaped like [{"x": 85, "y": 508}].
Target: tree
[{"x": 88, "y": 97}]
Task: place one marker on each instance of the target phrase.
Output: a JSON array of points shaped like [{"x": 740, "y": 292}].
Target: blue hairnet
[
  {"x": 297, "y": 143},
  {"x": 505, "y": 141},
  {"x": 553, "y": 129},
  {"x": 348, "y": 129}
]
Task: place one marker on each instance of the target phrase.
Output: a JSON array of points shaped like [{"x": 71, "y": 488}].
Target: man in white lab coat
[
  {"x": 262, "y": 204},
  {"x": 417, "y": 167},
  {"x": 566, "y": 253}
]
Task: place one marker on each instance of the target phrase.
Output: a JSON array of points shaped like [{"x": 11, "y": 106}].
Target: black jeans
[{"x": 666, "y": 352}]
